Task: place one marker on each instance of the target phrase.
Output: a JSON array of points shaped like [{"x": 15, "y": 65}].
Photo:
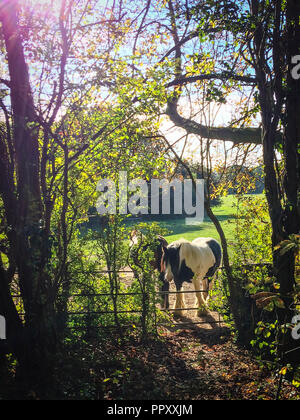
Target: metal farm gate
[{"x": 87, "y": 313}]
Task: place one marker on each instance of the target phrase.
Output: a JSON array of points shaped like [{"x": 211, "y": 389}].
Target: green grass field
[{"x": 224, "y": 212}]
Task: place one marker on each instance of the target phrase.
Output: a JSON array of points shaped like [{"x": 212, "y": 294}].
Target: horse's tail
[{"x": 217, "y": 251}]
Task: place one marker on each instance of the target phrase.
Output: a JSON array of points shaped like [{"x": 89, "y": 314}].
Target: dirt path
[
  {"x": 190, "y": 318},
  {"x": 193, "y": 365},
  {"x": 195, "y": 359}
]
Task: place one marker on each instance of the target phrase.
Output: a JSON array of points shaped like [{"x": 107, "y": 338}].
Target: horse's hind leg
[
  {"x": 165, "y": 295},
  {"x": 180, "y": 301},
  {"x": 200, "y": 300},
  {"x": 206, "y": 289}
]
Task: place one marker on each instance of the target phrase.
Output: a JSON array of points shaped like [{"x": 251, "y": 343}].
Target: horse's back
[
  {"x": 197, "y": 255},
  {"x": 204, "y": 241}
]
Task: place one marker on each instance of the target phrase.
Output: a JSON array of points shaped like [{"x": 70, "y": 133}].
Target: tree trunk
[
  {"x": 285, "y": 264},
  {"x": 291, "y": 215},
  {"x": 36, "y": 345}
]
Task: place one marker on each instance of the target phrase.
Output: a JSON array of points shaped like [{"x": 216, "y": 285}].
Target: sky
[
  {"x": 216, "y": 116},
  {"x": 220, "y": 116}
]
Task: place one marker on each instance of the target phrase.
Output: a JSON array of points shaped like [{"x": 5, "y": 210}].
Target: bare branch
[
  {"x": 235, "y": 135},
  {"x": 213, "y": 76}
]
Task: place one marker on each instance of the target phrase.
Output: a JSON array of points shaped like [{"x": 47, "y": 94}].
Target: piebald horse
[{"x": 194, "y": 262}]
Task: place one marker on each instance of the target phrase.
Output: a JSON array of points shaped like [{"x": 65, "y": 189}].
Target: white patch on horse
[{"x": 198, "y": 256}]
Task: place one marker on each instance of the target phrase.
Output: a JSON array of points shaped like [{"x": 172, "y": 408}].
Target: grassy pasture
[{"x": 224, "y": 212}]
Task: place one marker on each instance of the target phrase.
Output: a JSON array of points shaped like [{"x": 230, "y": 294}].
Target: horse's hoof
[{"x": 202, "y": 312}]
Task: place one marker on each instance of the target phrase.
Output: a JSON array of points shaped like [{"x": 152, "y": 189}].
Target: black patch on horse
[
  {"x": 182, "y": 274},
  {"x": 217, "y": 251}
]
